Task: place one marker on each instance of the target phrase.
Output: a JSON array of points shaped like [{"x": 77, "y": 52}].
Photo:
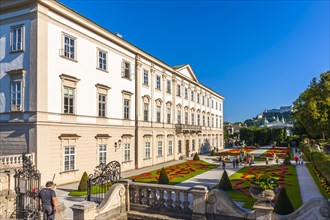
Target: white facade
[{"x": 76, "y": 95}]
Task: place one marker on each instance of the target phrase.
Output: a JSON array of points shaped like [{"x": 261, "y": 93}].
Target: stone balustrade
[{"x": 16, "y": 160}]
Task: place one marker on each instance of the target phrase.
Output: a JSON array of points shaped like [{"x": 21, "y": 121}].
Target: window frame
[
  {"x": 104, "y": 64},
  {"x": 127, "y": 152},
  {"x": 126, "y": 71},
  {"x": 126, "y": 109},
  {"x": 159, "y": 148},
  {"x": 168, "y": 86},
  {"x": 69, "y": 147},
  {"x": 179, "y": 116},
  {"x": 73, "y": 100},
  {"x": 145, "y": 112},
  {"x": 12, "y": 40},
  {"x": 168, "y": 115},
  {"x": 147, "y": 150},
  {"x": 66, "y": 54},
  {"x": 185, "y": 93},
  {"x": 158, "y": 114},
  {"x": 198, "y": 97},
  {"x": 192, "y": 95},
  {"x": 178, "y": 90},
  {"x": 16, "y": 92},
  {"x": 158, "y": 82},
  {"x": 145, "y": 77},
  {"x": 102, "y": 153},
  {"x": 102, "y": 103}
]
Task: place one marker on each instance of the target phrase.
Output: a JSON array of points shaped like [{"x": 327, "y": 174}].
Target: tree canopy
[{"x": 312, "y": 108}]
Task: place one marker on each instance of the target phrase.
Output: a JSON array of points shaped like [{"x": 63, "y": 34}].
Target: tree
[
  {"x": 278, "y": 135},
  {"x": 163, "y": 178},
  {"x": 312, "y": 108},
  {"x": 262, "y": 135},
  {"x": 247, "y": 134},
  {"x": 83, "y": 182},
  {"x": 283, "y": 205},
  {"x": 225, "y": 183}
]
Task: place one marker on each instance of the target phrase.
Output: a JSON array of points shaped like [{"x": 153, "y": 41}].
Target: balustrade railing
[
  {"x": 14, "y": 160},
  {"x": 162, "y": 197},
  {"x": 188, "y": 128}
]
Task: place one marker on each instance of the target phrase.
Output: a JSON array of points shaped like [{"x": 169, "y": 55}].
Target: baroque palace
[{"x": 77, "y": 95}]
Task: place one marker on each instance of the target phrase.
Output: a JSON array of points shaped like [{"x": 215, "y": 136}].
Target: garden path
[{"x": 308, "y": 188}]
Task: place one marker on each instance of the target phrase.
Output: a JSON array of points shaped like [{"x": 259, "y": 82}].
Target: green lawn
[
  {"x": 176, "y": 173},
  {"x": 285, "y": 174},
  {"x": 94, "y": 190}
]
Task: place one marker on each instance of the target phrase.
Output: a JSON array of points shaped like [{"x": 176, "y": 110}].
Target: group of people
[
  {"x": 298, "y": 157},
  {"x": 241, "y": 159}
]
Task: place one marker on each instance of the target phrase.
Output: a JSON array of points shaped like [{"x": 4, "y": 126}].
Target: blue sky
[{"x": 257, "y": 54}]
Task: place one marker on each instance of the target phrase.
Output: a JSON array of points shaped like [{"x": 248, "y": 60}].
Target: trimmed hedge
[
  {"x": 163, "y": 178},
  {"x": 83, "y": 182},
  {"x": 196, "y": 157},
  {"x": 283, "y": 205},
  {"x": 225, "y": 183},
  {"x": 320, "y": 160}
]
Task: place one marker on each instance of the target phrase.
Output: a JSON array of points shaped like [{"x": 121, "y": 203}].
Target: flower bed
[
  {"x": 284, "y": 174},
  {"x": 235, "y": 151},
  {"x": 176, "y": 173},
  {"x": 279, "y": 151}
]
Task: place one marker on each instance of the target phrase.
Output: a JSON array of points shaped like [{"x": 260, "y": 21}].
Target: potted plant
[{"x": 262, "y": 188}]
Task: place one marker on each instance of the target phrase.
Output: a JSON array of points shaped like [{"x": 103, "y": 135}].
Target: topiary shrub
[
  {"x": 163, "y": 178},
  {"x": 283, "y": 205},
  {"x": 287, "y": 160},
  {"x": 83, "y": 182},
  {"x": 196, "y": 157},
  {"x": 225, "y": 183},
  {"x": 212, "y": 153}
]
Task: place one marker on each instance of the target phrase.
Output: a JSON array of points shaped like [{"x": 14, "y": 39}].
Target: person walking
[
  {"x": 224, "y": 165},
  {"x": 47, "y": 197},
  {"x": 234, "y": 163}
]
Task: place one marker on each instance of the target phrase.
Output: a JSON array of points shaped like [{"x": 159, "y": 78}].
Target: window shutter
[{"x": 122, "y": 68}]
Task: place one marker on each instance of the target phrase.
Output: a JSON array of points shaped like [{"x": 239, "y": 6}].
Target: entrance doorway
[{"x": 187, "y": 148}]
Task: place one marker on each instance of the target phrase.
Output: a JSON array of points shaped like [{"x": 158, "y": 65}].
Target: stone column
[
  {"x": 263, "y": 211},
  {"x": 199, "y": 203},
  {"x": 126, "y": 183},
  {"x": 84, "y": 210}
]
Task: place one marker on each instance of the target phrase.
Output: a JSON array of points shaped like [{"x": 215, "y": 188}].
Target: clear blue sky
[{"x": 257, "y": 54}]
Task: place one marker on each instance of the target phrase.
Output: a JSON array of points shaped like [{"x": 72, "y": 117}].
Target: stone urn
[{"x": 262, "y": 195}]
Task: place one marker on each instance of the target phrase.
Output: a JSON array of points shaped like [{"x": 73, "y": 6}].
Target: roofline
[{"x": 85, "y": 22}]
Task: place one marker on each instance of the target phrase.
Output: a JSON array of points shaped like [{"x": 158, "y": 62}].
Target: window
[
  {"x": 220, "y": 106},
  {"x": 186, "y": 118},
  {"x": 147, "y": 150},
  {"x": 146, "y": 112},
  {"x": 193, "y": 145},
  {"x": 126, "y": 70},
  {"x": 102, "y": 60},
  {"x": 17, "y": 38},
  {"x": 216, "y": 122},
  {"x": 216, "y": 105},
  {"x": 126, "y": 108},
  {"x": 169, "y": 115},
  {"x": 69, "y": 158},
  {"x": 198, "y": 119},
  {"x": 157, "y": 82},
  {"x": 186, "y": 93},
  {"x": 212, "y": 103},
  {"x": 208, "y": 121},
  {"x": 69, "y": 47},
  {"x": 192, "y": 95},
  {"x": 102, "y": 105},
  {"x": 203, "y": 103},
  {"x": 168, "y": 87},
  {"x": 158, "y": 113},
  {"x": 170, "y": 147},
  {"x": 192, "y": 118},
  {"x": 69, "y": 96},
  {"x": 160, "y": 148},
  {"x": 102, "y": 153},
  {"x": 145, "y": 77},
  {"x": 204, "y": 120},
  {"x": 179, "y": 147},
  {"x": 16, "y": 96},
  {"x": 179, "y": 116},
  {"x": 198, "y": 98},
  {"x": 127, "y": 152},
  {"x": 199, "y": 144},
  {"x": 208, "y": 102},
  {"x": 178, "y": 90},
  {"x": 212, "y": 122}
]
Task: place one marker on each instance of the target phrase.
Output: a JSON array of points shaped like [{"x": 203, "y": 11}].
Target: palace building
[{"x": 77, "y": 95}]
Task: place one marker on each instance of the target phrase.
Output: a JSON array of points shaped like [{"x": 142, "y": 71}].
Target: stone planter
[{"x": 261, "y": 195}]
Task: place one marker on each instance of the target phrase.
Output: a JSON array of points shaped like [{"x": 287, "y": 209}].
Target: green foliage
[
  {"x": 212, "y": 153},
  {"x": 95, "y": 189},
  {"x": 283, "y": 205},
  {"x": 83, "y": 182},
  {"x": 264, "y": 182},
  {"x": 225, "y": 183},
  {"x": 278, "y": 135},
  {"x": 163, "y": 178},
  {"x": 312, "y": 108},
  {"x": 196, "y": 157},
  {"x": 247, "y": 134}
]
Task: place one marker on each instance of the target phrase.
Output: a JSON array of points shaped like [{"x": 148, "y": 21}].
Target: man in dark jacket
[{"x": 47, "y": 197}]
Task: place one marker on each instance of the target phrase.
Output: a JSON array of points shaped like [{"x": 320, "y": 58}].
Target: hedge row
[{"x": 320, "y": 160}]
